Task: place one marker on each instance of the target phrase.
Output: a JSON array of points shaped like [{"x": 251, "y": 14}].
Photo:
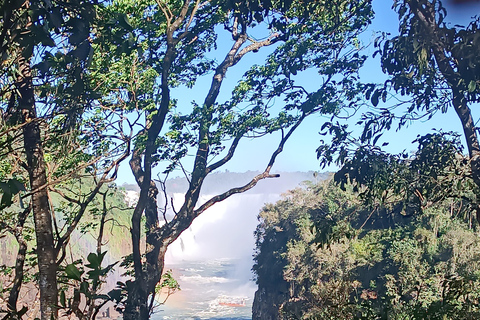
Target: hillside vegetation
[
  {"x": 396, "y": 242},
  {"x": 321, "y": 254},
  {"x": 104, "y": 228},
  {"x": 167, "y": 87}
]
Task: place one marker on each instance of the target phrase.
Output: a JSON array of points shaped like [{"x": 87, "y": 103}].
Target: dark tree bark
[
  {"x": 46, "y": 253},
  {"x": 19, "y": 261}
]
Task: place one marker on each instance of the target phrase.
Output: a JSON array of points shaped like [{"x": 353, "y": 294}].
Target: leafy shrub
[{"x": 325, "y": 255}]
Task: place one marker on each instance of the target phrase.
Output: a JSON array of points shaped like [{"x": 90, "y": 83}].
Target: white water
[
  {"x": 204, "y": 284},
  {"x": 223, "y": 231},
  {"x": 213, "y": 259}
]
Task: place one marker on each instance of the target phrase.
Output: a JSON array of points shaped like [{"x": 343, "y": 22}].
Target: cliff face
[
  {"x": 267, "y": 303},
  {"x": 273, "y": 289}
]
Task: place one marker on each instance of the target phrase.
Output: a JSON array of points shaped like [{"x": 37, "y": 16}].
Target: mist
[{"x": 214, "y": 257}]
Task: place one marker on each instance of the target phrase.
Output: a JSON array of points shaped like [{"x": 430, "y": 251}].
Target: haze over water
[{"x": 212, "y": 260}]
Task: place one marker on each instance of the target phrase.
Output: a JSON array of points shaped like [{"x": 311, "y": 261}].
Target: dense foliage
[
  {"x": 431, "y": 69},
  {"x": 323, "y": 252},
  {"x": 106, "y": 218},
  {"x": 323, "y": 255},
  {"x": 86, "y": 85}
]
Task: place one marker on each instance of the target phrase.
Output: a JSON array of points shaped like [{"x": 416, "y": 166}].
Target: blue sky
[
  {"x": 300, "y": 151},
  {"x": 387, "y": 20}
]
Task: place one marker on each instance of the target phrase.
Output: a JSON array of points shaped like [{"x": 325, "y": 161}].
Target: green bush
[{"x": 327, "y": 256}]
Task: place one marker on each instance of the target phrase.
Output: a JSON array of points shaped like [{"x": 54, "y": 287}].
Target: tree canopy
[
  {"x": 322, "y": 253},
  {"x": 431, "y": 68},
  {"x": 90, "y": 84}
]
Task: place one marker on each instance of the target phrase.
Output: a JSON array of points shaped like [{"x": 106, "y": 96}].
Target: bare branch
[
  {"x": 181, "y": 16},
  {"x": 165, "y": 196},
  {"x": 168, "y": 15},
  {"x": 190, "y": 20},
  {"x": 229, "y": 155},
  {"x": 83, "y": 206},
  {"x": 265, "y": 174},
  {"x": 185, "y": 173},
  {"x": 257, "y": 45}
]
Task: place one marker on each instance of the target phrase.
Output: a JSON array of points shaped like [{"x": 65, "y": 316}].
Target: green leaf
[
  {"x": 27, "y": 51},
  {"x": 22, "y": 312},
  {"x": 63, "y": 301},
  {"x": 472, "y": 86},
  {"x": 375, "y": 97},
  {"x": 95, "y": 260},
  {"x": 16, "y": 186},
  {"x": 56, "y": 18},
  {"x": 84, "y": 287},
  {"x": 384, "y": 96},
  {"x": 104, "y": 271},
  {"x": 82, "y": 51},
  {"x": 72, "y": 272},
  {"x": 124, "y": 22},
  {"x": 116, "y": 295},
  {"x": 102, "y": 296},
  {"x": 6, "y": 199},
  {"x": 4, "y": 186},
  {"x": 78, "y": 87},
  {"x": 48, "y": 42}
]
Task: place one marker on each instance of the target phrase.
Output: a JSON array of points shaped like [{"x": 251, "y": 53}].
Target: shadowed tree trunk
[
  {"x": 45, "y": 249},
  {"x": 19, "y": 261}
]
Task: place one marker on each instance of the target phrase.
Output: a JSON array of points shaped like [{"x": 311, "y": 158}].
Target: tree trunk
[
  {"x": 19, "y": 261},
  {"x": 137, "y": 306},
  {"x": 47, "y": 267}
]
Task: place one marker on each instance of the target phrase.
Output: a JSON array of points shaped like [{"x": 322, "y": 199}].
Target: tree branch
[
  {"x": 257, "y": 45},
  {"x": 254, "y": 181},
  {"x": 63, "y": 240},
  {"x": 229, "y": 155}
]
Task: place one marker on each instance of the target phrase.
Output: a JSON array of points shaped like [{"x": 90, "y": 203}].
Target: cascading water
[{"x": 212, "y": 260}]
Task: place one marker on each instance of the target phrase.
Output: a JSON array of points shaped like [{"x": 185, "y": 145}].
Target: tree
[
  {"x": 442, "y": 57},
  {"x": 166, "y": 45},
  {"x": 45, "y": 48},
  {"x": 15, "y": 21},
  {"x": 432, "y": 67},
  {"x": 323, "y": 254},
  {"x": 118, "y": 65},
  {"x": 437, "y": 171}
]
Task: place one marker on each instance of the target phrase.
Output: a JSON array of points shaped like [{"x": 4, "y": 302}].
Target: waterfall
[{"x": 224, "y": 231}]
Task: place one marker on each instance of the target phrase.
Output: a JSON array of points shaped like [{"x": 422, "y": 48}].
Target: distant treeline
[{"x": 222, "y": 181}]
